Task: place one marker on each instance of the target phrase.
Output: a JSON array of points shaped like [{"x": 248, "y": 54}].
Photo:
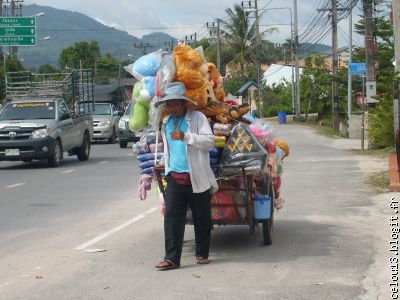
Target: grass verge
[
  {"x": 379, "y": 153},
  {"x": 379, "y": 181}
]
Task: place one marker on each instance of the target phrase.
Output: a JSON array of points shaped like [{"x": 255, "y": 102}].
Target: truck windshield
[
  {"x": 28, "y": 111},
  {"x": 102, "y": 109}
]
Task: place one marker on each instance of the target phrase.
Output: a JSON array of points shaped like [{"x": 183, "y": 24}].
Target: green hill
[{"x": 65, "y": 28}]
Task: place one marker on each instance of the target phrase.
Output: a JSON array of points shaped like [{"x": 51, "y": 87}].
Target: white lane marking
[
  {"x": 68, "y": 171},
  {"x": 103, "y": 162},
  {"x": 25, "y": 275},
  {"x": 130, "y": 154},
  {"x": 38, "y": 268},
  {"x": 151, "y": 210},
  {"x": 16, "y": 185},
  {"x": 110, "y": 232}
]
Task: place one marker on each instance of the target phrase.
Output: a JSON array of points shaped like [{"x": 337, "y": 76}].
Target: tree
[
  {"x": 239, "y": 77},
  {"x": 80, "y": 54},
  {"x": 316, "y": 86},
  {"x": 241, "y": 36},
  {"x": 11, "y": 64},
  {"x": 380, "y": 127},
  {"x": 47, "y": 69}
]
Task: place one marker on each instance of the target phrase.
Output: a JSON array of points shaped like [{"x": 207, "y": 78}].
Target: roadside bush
[{"x": 380, "y": 125}]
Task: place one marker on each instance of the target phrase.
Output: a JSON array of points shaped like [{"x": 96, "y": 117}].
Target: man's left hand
[{"x": 177, "y": 135}]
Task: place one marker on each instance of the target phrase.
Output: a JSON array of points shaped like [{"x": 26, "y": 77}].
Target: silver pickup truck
[
  {"x": 43, "y": 129},
  {"x": 37, "y": 123}
]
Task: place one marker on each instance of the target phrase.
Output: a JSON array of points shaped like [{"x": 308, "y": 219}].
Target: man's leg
[
  {"x": 174, "y": 221},
  {"x": 201, "y": 211}
]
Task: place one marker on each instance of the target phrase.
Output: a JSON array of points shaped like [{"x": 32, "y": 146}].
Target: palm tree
[{"x": 240, "y": 33}]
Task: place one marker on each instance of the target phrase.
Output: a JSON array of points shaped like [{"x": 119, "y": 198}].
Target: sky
[{"x": 186, "y": 17}]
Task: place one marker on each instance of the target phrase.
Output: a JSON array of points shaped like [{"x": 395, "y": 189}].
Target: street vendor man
[{"x": 187, "y": 138}]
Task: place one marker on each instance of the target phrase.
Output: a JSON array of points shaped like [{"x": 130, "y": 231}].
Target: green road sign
[
  {"x": 17, "y": 21},
  {"x": 17, "y": 40},
  {"x": 17, "y": 31}
]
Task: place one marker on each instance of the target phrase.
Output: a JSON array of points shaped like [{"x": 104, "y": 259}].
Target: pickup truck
[
  {"x": 105, "y": 121},
  {"x": 43, "y": 129},
  {"x": 37, "y": 122}
]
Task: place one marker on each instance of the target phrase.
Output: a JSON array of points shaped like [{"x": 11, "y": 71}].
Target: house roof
[
  {"x": 105, "y": 92},
  {"x": 246, "y": 86}
]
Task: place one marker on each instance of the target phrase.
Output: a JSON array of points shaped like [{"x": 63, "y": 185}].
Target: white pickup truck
[{"x": 37, "y": 124}]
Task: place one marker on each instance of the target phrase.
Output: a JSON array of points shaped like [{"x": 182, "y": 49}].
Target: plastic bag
[
  {"x": 165, "y": 74},
  {"x": 155, "y": 114},
  {"x": 243, "y": 150},
  {"x": 147, "y": 65},
  {"x": 221, "y": 129}
]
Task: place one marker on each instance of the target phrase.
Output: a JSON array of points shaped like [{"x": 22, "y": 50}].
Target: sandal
[
  {"x": 202, "y": 260},
  {"x": 167, "y": 265}
]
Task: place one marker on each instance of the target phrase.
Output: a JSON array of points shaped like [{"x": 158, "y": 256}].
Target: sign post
[
  {"x": 17, "y": 31},
  {"x": 360, "y": 69}
]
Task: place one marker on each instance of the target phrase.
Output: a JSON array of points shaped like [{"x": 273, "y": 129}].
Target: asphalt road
[{"x": 324, "y": 242}]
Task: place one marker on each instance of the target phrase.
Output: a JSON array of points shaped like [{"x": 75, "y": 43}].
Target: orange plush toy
[
  {"x": 215, "y": 77},
  {"x": 192, "y": 71}
]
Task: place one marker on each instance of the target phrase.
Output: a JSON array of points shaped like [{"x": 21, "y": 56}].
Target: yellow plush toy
[
  {"x": 192, "y": 71},
  {"x": 215, "y": 77}
]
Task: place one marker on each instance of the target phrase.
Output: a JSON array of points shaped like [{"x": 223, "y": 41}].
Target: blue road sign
[{"x": 358, "y": 68}]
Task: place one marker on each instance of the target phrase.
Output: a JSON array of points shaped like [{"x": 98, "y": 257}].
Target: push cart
[{"x": 245, "y": 199}]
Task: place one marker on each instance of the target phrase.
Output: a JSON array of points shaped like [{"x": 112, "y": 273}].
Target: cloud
[{"x": 181, "y": 17}]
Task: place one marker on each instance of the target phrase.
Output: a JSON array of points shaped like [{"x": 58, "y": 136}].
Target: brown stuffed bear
[
  {"x": 192, "y": 71},
  {"x": 215, "y": 77},
  {"x": 225, "y": 113}
]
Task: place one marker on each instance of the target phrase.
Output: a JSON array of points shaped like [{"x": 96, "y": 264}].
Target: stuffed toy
[
  {"x": 139, "y": 118},
  {"x": 215, "y": 77},
  {"x": 225, "y": 113},
  {"x": 192, "y": 71},
  {"x": 145, "y": 69}
]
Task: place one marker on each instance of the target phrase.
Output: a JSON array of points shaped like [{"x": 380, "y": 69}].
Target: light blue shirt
[{"x": 177, "y": 149}]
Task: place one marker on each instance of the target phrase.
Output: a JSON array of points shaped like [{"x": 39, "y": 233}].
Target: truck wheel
[
  {"x": 56, "y": 154},
  {"x": 113, "y": 138},
  {"x": 84, "y": 150},
  {"x": 123, "y": 144}
]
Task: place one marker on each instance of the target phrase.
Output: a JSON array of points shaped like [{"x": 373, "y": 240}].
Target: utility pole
[
  {"x": 143, "y": 47},
  {"x": 396, "y": 101},
  {"x": 349, "y": 78},
  {"x": 2, "y": 13},
  {"x": 369, "y": 48},
  {"x": 215, "y": 31},
  {"x": 259, "y": 79},
  {"x": 16, "y": 11},
  {"x": 396, "y": 27},
  {"x": 296, "y": 58},
  {"x": 218, "y": 45},
  {"x": 335, "y": 95}
]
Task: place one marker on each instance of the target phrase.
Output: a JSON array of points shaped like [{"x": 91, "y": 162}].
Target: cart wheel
[
  {"x": 267, "y": 232},
  {"x": 252, "y": 228},
  {"x": 267, "y": 226}
]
